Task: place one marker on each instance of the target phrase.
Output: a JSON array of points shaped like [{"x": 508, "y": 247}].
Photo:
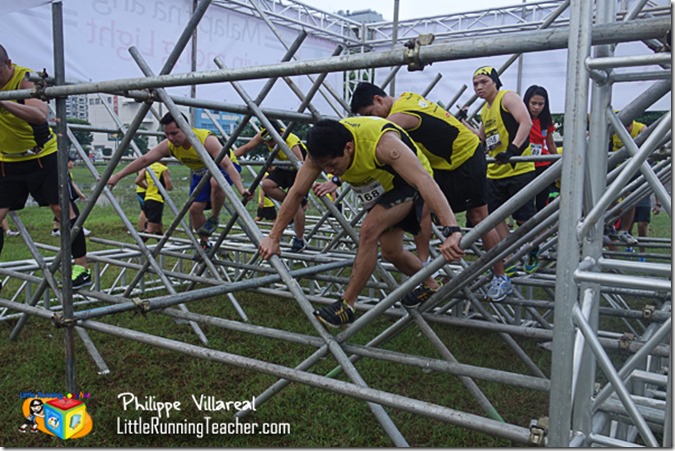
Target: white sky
[{"x": 409, "y": 9}]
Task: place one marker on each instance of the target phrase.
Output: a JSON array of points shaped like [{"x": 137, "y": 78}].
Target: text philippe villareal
[{"x": 158, "y": 419}]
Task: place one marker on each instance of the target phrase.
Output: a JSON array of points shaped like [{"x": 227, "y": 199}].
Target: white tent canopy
[{"x": 98, "y": 34}]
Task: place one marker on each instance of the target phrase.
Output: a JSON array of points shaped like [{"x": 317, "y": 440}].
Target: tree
[
  {"x": 141, "y": 141},
  {"x": 84, "y": 137}
]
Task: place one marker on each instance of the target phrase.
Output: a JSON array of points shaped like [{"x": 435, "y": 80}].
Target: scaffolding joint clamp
[
  {"x": 626, "y": 339},
  {"x": 538, "y": 431},
  {"x": 60, "y": 321},
  {"x": 648, "y": 311},
  {"x": 142, "y": 306},
  {"x": 411, "y": 54},
  {"x": 40, "y": 85},
  {"x": 152, "y": 97}
]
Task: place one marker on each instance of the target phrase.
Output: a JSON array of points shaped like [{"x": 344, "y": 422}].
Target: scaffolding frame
[{"x": 578, "y": 281}]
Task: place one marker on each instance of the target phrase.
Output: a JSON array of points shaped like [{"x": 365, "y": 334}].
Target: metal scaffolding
[{"x": 580, "y": 280}]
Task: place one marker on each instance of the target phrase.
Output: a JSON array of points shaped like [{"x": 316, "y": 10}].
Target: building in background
[
  {"x": 228, "y": 121},
  {"x": 362, "y": 15},
  {"x": 125, "y": 109},
  {"x": 77, "y": 107}
]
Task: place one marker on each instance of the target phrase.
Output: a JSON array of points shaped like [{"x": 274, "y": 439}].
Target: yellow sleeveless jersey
[
  {"x": 17, "y": 136},
  {"x": 152, "y": 192},
  {"x": 291, "y": 141},
  {"x": 618, "y": 144},
  {"x": 445, "y": 141},
  {"x": 189, "y": 157},
  {"x": 500, "y": 129},
  {"x": 368, "y": 177}
]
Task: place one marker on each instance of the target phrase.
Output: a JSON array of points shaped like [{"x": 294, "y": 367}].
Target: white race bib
[
  {"x": 536, "y": 149},
  {"x": 492, "y": 141},
  {"x": 368, "y": 194}
]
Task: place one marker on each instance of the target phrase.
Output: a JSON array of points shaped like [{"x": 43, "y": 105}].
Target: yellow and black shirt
[
  {"x": 291, "y": 141},
  {"x": 445, "y": 141},
  {"x": 500, "y": 128},
  {"x": 19, "y": 140},
  {"x": 152, "y": 192},
  {"x": 369, "y": 177},
  {"x": 189, "y": 157}
]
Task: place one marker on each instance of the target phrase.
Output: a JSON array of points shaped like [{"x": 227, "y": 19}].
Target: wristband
[{"x": 449, "y": 230}]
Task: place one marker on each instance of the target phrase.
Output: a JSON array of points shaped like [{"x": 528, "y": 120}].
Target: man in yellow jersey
[
  {"x": 281, "y": 178},
  {"x": 212, "y": 195},
  {"x": 393, "y": 181},
  {"x": 505, "y": 130},
  {"x": 28, "y": 159},
  {"x": 153, "y": 201},
  {"x": 455, "y": 154}
]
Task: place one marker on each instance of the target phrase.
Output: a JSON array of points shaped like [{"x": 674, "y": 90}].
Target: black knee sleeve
[
  {"x": 2, "y": 239},
  {"x": 79, "y": 246}
]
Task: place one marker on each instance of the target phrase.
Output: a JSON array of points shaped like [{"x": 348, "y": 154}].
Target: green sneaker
[
  {"x": 81, "y": 277},
  {"x": 532, "y": 263},
  {"x": 511, "y": 270}
]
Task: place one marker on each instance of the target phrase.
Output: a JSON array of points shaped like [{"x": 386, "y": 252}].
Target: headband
[{"x": 490, "y": 72}]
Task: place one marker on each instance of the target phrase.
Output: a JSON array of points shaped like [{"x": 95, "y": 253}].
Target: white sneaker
[
  {"x": 86, "y": 231},
  {"x": 627, "y": 238},
  {"x": 500, "y": 287},
  {"x": 12, "y": 233},
  {"x": 56, "y": 232}
]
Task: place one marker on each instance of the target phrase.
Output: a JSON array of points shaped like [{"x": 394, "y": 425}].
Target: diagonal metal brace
[{"x": 411, "y": 53}]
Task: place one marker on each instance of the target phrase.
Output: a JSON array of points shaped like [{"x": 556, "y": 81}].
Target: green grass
[{"x": 317, "y": 418}]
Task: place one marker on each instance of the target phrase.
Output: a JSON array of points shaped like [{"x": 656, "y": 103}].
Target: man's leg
[
  {"x": 423, "y": 238},
  {"x": 626, "y": 223},
  {"x": 141, "y": 221},
  {"x": 299, "y": 223},
  {"x": 198, "y": 218},
  {"x": 3, "y": 215},
  {"x": 153, "y": 211},
  {"x": 272, "y": 190},
  {"x": 80, "y": 275},
  {"x": 377, "y": 221},
  {"x": 391, "y": 244},
  {"x": 217, "y": 198},
  {"x": 490, "y": 238}
]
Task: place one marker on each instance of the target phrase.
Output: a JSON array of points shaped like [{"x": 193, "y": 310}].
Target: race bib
[
  {"x": 368, "y": 194},
  {"x": 492, "y": 141},
  {"x": 536, "y": 149}
]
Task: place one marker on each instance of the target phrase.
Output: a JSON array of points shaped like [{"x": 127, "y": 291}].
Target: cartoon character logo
[
  {"x": 63, "y": 417},
  {"x": 36, "y": 409}
]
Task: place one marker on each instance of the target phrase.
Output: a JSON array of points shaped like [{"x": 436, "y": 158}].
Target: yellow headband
[
  {"x": 490, "y": 72},
  {"x": 485, "y": 70}
]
